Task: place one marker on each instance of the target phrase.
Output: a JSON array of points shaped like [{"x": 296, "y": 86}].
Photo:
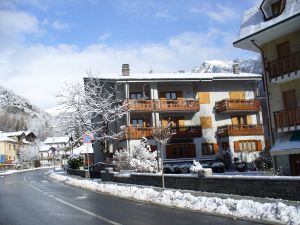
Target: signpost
[{"x": 88, "y": 138}]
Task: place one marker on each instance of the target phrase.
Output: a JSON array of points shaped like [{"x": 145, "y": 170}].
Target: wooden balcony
[
  {"x": 282, "y": 66},
  {"x": 163, "y": 105},
  {"x": 240, "y": 130},
  {"x": 178, "y": 132},
  {"x": 140, "y": 105},
  {"x": 186, "y": 131},
  {"x": 237, "y": 105},
  {"x": 287, "y": 118},
  {"x": 136, "y": 133},
  {"x": 178, "y": 105}
]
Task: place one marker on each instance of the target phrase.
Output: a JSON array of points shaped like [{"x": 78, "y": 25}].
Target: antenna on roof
[{"x": 151, "y": 70}]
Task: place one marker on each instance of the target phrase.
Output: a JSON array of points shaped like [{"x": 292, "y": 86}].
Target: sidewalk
[{"x": 254, "y": 209}]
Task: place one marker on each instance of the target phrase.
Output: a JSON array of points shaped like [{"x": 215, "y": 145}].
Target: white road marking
[
  {"x": 44, "y": 181},
  {"x": 71, "y": 205}
]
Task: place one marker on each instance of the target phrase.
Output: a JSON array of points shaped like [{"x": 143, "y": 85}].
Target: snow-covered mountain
[
  {"x": 222, "y": 66},
  {"x": 17, "y": 113}
]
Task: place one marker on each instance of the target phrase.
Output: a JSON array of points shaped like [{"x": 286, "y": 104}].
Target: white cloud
[
  {"x": 164, "y": 14},
  {"x": 104, "y": 36},
  {"x": 59, "y": 25},
  {"x": 217, "y": 12}
]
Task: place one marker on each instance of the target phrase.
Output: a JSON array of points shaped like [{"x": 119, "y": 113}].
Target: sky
[{"x": 45, "y": 44}]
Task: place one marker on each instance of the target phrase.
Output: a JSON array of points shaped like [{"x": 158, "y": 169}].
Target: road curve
[{"x": 30, "y": 198}]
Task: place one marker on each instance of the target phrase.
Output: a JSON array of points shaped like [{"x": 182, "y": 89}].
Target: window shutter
[
  {"x": 204, "y": 97},
  {"x": 259, "y": 146},
  {"x": 234, "y": 120},
  {"x": 206, "y": 122},
  {"x": 181, "y": 122},
  {"x": 179, "y": 95},
  {"x": 236, "y": 146},
  {"x": 237, "y": 95},
  {"x": 249, "y": 119},
  {"x": 169, "y": 153},
  {"x": 162, "y": 95},
  {"x": 165, "y": 122},
  {"x": 216, "y": 148},
  {"x": 192, "y": 152}
]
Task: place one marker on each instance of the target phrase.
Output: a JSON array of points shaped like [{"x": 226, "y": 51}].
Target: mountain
[
  {"x": 17, "y": 113},
  {"x": 222, "y": 66}
]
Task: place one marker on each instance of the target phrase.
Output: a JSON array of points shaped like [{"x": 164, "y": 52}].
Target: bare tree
[
  {"x": 91, "y": 107},
  {"x": 162, "y": 135}
]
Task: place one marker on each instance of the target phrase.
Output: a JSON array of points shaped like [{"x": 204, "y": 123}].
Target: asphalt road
[{"x": 30, "y": 198}]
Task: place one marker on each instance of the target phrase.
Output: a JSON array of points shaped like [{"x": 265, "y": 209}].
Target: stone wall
[
  {"x": 81, "y": 173},
  {"x": 272, "y": 187}
]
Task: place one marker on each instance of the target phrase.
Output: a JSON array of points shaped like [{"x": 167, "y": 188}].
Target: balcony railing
[
  {"x": 178, "y": 132},
  {"x": 141, "y": 105},
  {"x": 136, "y": 133},
  {"x": 287, "y": 118},
  {"x": 186, "y": 131},
  {"x": 285, "y": 65},
  {"x": 240, "y": 130},
  {"x": 163, "y": 105},
  {"x": 237, "y": 105},
  {"x": 178, "y": 105}
]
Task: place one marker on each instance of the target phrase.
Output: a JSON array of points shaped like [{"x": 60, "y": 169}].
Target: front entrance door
[
  {"x": 295, "y": 160},
  {"x": 290, "y": 100}
]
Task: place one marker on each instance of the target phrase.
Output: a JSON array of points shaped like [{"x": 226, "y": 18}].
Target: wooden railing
[
  {"x": 285, "y": 65},
  {"x": 141, "y": 105},
  {"x": 237, "y": 104},
  {"x": 240, "y": 130},
  {"x": 186, "y": 131},
  {"x": 163, "y": 105},
  {"x": 287, "y": 118},
  {"x": 136, "y": 133},
  {"x": 178, "y": 132},
  {"x": 178, "y": 105}
]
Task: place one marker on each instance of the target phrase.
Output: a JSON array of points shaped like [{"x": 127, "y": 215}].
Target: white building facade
[{"x": 210, "y": 113}]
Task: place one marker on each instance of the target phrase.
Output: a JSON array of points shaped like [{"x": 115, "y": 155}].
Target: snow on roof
[
  {"x": 85, "y": 148},
  {"x": 26, "y": 142},
  {"x": 188, "y": 76},
  {"x": 254, "y": 21},
  {"x": 13, "y": 134},
  {"x": 54, "y": 140},
  {"x": 44, "y": 148},
  {"x": 5, "y": 138}
]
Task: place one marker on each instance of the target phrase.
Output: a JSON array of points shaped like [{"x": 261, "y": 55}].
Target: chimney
[
  {"x": 125, "y": 70},
  {"x": 236, "y": 68}
]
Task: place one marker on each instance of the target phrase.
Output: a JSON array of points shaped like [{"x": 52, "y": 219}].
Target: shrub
[
  {"x": 218, "y": 167},
  {"x": 196, "y": 167},
  {"x": 75, "y": 161},
  {"x": 36, "y": 163}
]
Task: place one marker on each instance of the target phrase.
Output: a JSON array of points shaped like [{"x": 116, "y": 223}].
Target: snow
[
  {"x": 180, "y": 76},
  {"x": 277, "y": 212},
  {"x": 8, "y": 172},
  {"x": 55, "y": 140},
  {"x": 196, "y": 167},
  {"x": 3, "y": 137},
  {"x": 85, "y": 148},
  {"x": 254, "y": 21}
]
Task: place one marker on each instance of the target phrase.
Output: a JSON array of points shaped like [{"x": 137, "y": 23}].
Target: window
[
  {"x": 136, "y": 95},
  {"x": 210, "y": 148},
  {"x": 137, "y": 122},
  {"x": 247, "y": 146},
  {"x": 276, "y": 8},
  {"x": 237, "y": 95},
  {"x": 239, "y": 120},
  {"x": 180, "y": 151},
  {"x": 171, "y": 95}
]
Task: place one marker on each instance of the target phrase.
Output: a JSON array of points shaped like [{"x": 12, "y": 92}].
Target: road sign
[{"x": 87, "y": 138}]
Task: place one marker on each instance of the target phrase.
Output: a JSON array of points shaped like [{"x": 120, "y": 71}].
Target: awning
[
  {"x": 288, "y": 143},
  {"x": 86, "y": 148}
]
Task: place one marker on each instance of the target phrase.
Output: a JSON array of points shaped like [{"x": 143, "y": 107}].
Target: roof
[
  {"x": 254, "y": 24},
  {"x": 4, "y": 138},
  {"x": 54, "y": 140},
  {"x": 44, "y": 148},
  {"x": 189, "y": 76},
  {"x": 14, "y": 134}
]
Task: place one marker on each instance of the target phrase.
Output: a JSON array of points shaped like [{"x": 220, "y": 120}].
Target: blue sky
[{"x": 45, "y": 43}]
